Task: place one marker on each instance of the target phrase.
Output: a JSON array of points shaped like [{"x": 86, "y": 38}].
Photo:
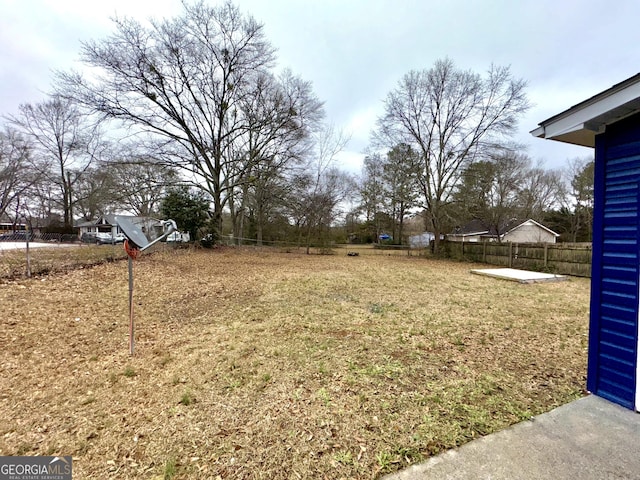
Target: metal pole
[
  {"x": 131, "y": 327},
  {"x": 28, "y": 232}
]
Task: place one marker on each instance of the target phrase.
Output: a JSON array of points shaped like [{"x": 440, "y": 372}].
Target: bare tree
[
  {"x": 321, "y": 187},
  {"x": 66, "y": 142},
  {"x": 281, "y": 115},
  {"x": 142, "y": 183},
  {"x": 400, "y": 173},
  {"x": 541, "y": 190},
  {"x": 491, "y": 189},
  {"x": 17, "y": 174},
  {"x": 372, "y": 192},
  {"x": 322, "y": 203},
  {"x": 43, "y": 204},
  {"x": 181, "y": 79},
  {"x": 97, "y": 193},
  {"x": 450, "y": 116}
]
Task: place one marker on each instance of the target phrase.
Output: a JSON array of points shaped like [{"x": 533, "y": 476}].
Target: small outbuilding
[{"x": 610, "y": 122}]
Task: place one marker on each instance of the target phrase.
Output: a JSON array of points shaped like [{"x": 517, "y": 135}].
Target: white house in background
[
  {"x": 151, "y": 227},
  {"x": 528, "y": 231}
]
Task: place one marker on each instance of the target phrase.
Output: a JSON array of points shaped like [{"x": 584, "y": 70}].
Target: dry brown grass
[
  {"x": 270, "y": 365},
  {"x": 57, "y": 259}
]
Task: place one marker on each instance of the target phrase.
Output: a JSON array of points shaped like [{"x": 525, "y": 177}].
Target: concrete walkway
[{"x": 588, "y": 439}]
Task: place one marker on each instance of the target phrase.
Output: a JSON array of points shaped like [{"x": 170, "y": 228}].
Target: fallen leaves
[{"x": 255, "y": 364}]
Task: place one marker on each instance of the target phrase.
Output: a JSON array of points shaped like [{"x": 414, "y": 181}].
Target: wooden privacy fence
[{"x": 561, "y": 258}]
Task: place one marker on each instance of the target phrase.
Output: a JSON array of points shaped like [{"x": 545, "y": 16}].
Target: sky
[{"x": 356, "y": 51}]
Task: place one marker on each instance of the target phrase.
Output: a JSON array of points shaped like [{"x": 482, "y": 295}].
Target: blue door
[{"x": 613, "y": 329}]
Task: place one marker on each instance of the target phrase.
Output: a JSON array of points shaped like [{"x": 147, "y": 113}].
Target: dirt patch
[{"x": 252, "y": 364}]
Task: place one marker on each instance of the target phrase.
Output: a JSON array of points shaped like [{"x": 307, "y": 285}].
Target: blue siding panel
[
  {"x": 616, "y": 393},
  {"x": 617, "y": 327},
  {"x": 614, "y": 377},
  {"x": 619, "y": 400},
  {"x": 613, "y": 363},
  {"x": 621, "y": 338},
  {"x": 619, "y": 272},
  {"x": 613, "y": 332},
  {"x": 620, "y": 285},
  {"x": 611, "y": 298}
]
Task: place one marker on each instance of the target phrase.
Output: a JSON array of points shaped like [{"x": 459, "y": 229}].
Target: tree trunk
[
  {"x": 435, "y": 227},
  {"x": 401, "y": 223},
  {"x": 65, "y": 203},
  {"x": 259, "y": 232},
  {"x": 217, "y": 223},
  {"x": 240, "y": 232},
  {"x": 259, "y": 221},
  {"x": 308, "y": 238},
  {"x": 436, "y": 240}
]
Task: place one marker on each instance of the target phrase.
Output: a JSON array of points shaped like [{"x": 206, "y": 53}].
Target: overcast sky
[{"x": 356, "y": 51}]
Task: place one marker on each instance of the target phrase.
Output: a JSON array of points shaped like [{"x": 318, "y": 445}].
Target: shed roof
[
  {"x": 474, "y": 227},
  {"x": 581, "y": 123},
  {"x": 533, "y": 222}
]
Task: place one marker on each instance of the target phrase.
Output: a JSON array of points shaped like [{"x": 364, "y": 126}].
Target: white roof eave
[{"x": 580, "y": 124}]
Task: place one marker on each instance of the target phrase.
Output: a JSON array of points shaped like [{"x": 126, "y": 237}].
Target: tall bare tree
[
  {"x": 320, "y": 187},
  {"x": 66, "y": 141},
  {"x": 17, "y": 174},
  {"x": 281, "y": 115},
  {"x": 181, "y": 79},
  {"x": 450, "y": 116}
]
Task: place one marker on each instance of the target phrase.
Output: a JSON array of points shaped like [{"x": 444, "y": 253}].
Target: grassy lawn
[
  {"x": 57, "y": 259},
  {"x": 271, "y": 365}
]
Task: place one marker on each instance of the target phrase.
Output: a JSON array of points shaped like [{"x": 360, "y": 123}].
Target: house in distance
[{"x": 515, "y": 231}]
